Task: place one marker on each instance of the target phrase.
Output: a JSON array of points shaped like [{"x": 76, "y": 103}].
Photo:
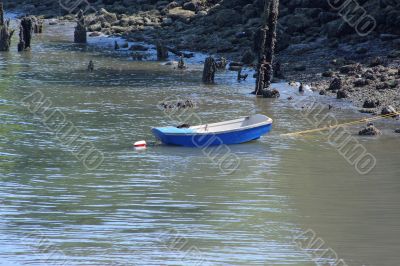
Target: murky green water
[{"x": 172, "y": 205}]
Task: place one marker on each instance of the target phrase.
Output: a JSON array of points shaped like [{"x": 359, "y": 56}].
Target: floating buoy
[{"x": 140, "y": 145}]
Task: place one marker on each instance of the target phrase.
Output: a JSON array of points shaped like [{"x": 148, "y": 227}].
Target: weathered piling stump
[
  {"x": 222, "y": 63},
  {"x": 210, "y": 67},
  {"x": 21, "y": 44},
  {"x": 278, "y": 70},
  {"x": 181, "y": 63},
  {"x": 116, "y": 45},
  {"x": 37, "y": 25},
  {"x": 25, "y": 34},
  {"x": 38, "y": 28},
  {"x": 5, "y": 32},
  {"x": 80, "y": 29},
  {"x": 266, "y": 41},
  {"x": 369, "y": 130},
  {"x": 162, "y": 51},
  {"x": 91, "y": 66},
  {"x": 241, "y": 77}
]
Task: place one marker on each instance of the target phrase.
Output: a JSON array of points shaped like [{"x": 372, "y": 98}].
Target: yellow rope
[{"x": 343, "y": 124}]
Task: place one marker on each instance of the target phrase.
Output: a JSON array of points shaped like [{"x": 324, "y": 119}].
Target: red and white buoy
[{"x": 140, "y": 145}]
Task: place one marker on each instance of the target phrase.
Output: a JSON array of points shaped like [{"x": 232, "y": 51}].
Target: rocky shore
[{"x": 317, "y": 43}]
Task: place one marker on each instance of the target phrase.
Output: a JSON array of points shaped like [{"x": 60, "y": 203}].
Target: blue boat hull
[{"x": 212, "y": 139}]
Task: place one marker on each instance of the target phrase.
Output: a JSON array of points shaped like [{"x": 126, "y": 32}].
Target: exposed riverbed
[{"x": 136, "y": 206}]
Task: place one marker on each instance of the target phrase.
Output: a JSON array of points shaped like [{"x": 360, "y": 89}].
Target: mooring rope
[{"x": 339, "y": 125}]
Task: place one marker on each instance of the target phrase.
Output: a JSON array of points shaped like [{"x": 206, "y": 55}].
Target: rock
[
  {"x": 369, "y": 75},
  {"x": 397, "y": 130},
  {"x": 328, "y": 74},
  {"x": 360, "y": 82},
  {"x": 338, "y": 61},
  {"x": 118, "y": 29},
  {"x": 341, "y": 94},
  {"x": 178, "y": 13},
  {"x": 389, "y": 110},
  {"x": 325, "y": 17},
  {"x": 382, "y": 86},
  {"x": 227, "y": 17},
  {"x": 336, "y": 84},
  {"x": 249, "y": 11},
  {"x": 95, "y": 34},
  {"x": 369, "y": 130},
  {"x": 171, "y": 5},
  {"x": 337, "y": 28},
  {"x": 299, "y": 67},
  {"x": 377, "y": 61},
  {"x": 224, "y": 46},
  {"x": 201, "y": 13},
  {"x": 138, "y": 47},
  {"x": 296, "y": 22},
  {"x": 95, "y": 27},
  {"x": 193, "y": 5},
  {"x": 171, "y": 63},
  {"x": 234, "y": 68},
  {"x": 361, "y": 50},
  {"x": 301, "y": 48},
  {"x": 248, "y": 58},
  {"x": 236, "y": 64},
  {"x": 394, "y": 54},
  {"x": 322, "y": 92},
  {"x": 268, "y": 93},
  {"x": 392, "y": 83},
  {"x": 350, "y": 68},
  {"x": 109, "y": 17},
  {"x": 371, "y": 104},
  {"x": 166, "y": 22}
]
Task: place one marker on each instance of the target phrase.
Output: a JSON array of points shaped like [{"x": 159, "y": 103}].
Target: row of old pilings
[
  {"x": 27, "y": 27},
  {"x": 5, "y": 32}
]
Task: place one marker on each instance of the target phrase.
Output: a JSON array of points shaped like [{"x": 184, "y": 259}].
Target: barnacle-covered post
[
  {"x": 80, "y": 29},
  {"x": 5, "y": 32},
  {"x": 25, "y": 34},
  {"x": 37, "y": 25},
  {"x": 210, "y": 67},
  {"x": 267, "y": 41},
  {"x": 162, "y": 51}
]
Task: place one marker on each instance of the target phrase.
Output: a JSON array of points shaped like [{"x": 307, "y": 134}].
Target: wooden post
[
  {"x": 181, "y": 63},
  {"x": 91, "y": 66},
  {"x": 270, "y": 41},
  {"x": 21, "y": 44},
  {"x": 37, "y": 25},
  {"x": 267, "y": 42},
  {"x": 5, "y": 32},
  {"x": 1, "y": 13},
  {"x": 25, "y": 34},
  {"x": 80, "y": 29},
  {"x": 210, "y": 67},
  {"x": 162, "y": 51}
]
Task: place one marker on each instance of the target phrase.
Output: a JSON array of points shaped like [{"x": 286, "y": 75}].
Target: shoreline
[
  {"x": 303, "y": 63},
  {"x": 315, "y": 69}
]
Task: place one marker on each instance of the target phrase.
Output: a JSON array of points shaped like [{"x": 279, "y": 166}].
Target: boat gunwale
[{"x": 269, "y": 121}]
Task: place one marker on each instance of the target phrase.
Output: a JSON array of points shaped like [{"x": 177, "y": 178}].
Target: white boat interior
[{"x": 233, "y": 125}]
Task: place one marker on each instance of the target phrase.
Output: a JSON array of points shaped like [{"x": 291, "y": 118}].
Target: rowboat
[{"x": 229, "y": 132}]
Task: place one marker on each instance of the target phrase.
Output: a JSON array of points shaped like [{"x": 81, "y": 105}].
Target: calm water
[{"x": 172, "y": 205}]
